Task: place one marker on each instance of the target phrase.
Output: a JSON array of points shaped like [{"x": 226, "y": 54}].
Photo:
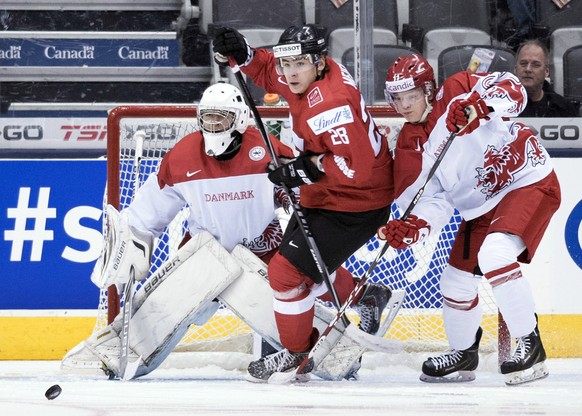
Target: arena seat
[
  {"x": 561, "y": 40},
  {"x": 384, "y": 56},
  {"x": 573, "y": 73},
  {"x": 259, "y": 21},
  {"x": 458, "y": 58},
  {"x": 340, "y": 25},
  {"x": 434, "y": 26}
]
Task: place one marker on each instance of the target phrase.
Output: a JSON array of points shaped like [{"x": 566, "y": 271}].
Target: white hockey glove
[{"x": 125, "y": 252}]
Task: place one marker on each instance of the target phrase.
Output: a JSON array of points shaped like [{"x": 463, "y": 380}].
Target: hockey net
[{"x": 419, "y": 324}]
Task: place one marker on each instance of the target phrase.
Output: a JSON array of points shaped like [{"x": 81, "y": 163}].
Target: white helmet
[{"x": 221, "y": 112}]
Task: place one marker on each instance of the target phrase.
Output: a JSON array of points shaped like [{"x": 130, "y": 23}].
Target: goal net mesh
[{"x": 417, "y": 270}]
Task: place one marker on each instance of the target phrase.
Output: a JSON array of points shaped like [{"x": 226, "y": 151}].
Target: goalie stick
[{"x": 127, "y": 368}]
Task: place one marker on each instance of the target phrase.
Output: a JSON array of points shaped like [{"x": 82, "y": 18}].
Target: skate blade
[
  {"x": 457, "y": 377},
  {"x": 536, "y": 372},
  {"x": 252, "y": 379}
]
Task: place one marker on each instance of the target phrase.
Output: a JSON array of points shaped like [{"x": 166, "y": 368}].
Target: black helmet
[{"x": 308, "y": 39}]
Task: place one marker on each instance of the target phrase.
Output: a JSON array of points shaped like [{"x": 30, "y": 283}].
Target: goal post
[{"x": 417, "y": 269}]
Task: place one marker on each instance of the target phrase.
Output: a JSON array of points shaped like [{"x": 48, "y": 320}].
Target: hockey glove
[
  {"x": 229, "y": 42},
  {"x": 400, "y": 234},
  {"x": 295, "y": 172},
  {"x": 464, "y": 115},
  {"x": 125, "y": 252}
]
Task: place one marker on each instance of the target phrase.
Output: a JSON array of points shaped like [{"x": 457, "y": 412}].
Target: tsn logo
[{"x": 84, "y": 133}]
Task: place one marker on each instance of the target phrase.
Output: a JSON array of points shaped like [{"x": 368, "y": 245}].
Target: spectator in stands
[{"x": 532, "y": 68}]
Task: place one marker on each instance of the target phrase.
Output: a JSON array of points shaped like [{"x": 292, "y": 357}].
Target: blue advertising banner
[
  {"x": 89, "y": 52},
  {"x": 50, "y": 220}
]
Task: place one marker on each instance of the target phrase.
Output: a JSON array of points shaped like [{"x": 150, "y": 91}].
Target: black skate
[
  {"x": 260, "y": 370},
  {"x": 454, "y": 366},
  {"x": 372, "y": 304},
  {"x": 527, "y": 363}
]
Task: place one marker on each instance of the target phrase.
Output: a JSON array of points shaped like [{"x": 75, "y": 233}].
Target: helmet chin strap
[{"x": 427, "y": 111}]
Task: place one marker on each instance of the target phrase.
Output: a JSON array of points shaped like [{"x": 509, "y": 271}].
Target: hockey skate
[
  {"x": 454, "y": 366},
  {"x": 372, "y": 304},
  {"x": 527, "y": 363},
  {"x": 260, "y": 370}
]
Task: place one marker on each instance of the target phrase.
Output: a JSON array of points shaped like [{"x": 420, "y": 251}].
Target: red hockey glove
[
  {"x": 400, "y": 234},
  {"x": 295, "y": 172},
  {"x": 230, "y": 42},
  {"x": 467, "y": 113}
]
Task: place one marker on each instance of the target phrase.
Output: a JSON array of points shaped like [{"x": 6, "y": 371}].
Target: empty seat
[
  {"x": 573, "y": 73},
  {"x": 384, "y": 56},
  {"x": 261, "y": 22},
  {"x": 560, "y": 41},
  {"x": 458, "y": 58},
  {"x": 437, "y": 25},
  {"x": 552, "y": 17},
  {"x": 340, "y": 25}
]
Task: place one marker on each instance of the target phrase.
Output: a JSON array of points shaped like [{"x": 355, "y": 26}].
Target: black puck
[{"x": 53, "y": 392}]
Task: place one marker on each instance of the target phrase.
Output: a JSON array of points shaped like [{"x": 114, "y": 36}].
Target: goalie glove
[
  {"x": 464, "y": 115},
  {"x": 124, "y": 253},
  {"x": 230, "y": 42},
  {"x": 400, "y": 234},
  {"x": 294, "y": 172}
]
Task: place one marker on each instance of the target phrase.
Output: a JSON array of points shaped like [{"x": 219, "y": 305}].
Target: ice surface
[{"x": 382, "y": 390}]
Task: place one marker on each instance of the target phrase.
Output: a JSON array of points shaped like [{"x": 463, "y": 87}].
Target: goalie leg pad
[{"x": 179, "y": 293}]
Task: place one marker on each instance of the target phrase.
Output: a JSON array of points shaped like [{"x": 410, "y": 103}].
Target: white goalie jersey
[{"x": 232, "y": 199}]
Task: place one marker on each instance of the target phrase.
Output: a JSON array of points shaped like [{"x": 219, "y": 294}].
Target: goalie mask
[
  {"x": 306, "y": 43},
  {"x": 223, "y": 117},
  {"x": 408, "y": 73}
]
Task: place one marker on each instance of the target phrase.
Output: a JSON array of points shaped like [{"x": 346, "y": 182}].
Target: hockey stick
[
  {"x": 127, "y": 368},
  {"x": 297, "y": 211},
  {"x": 281, "y": 378},
  {"x": 304, "y": 227}
]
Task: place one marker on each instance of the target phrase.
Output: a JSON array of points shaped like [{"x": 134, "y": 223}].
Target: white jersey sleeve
[{"x": 154, "y": 208}]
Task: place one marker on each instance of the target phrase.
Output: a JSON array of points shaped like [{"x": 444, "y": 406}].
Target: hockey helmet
[
  {"x": 407, "y": 73},
  {"x": 222, "y": 116},
  {"x": 301, "y": 42}
]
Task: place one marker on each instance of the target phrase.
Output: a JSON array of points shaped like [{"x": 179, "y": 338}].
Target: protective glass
[{"x": 296, "y": 64}]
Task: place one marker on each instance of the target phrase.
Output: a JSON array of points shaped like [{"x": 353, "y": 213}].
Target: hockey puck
[{"x": 53, "y": 392}]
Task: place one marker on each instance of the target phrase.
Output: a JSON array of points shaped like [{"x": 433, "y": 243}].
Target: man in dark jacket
[{"x": 532, "y": 68}]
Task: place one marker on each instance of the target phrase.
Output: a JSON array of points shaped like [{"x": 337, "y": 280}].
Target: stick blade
[{"x": 131, "y": 369}]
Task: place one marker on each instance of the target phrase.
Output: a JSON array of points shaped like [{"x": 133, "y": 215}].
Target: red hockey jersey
[{"x": 330, "y": 118}]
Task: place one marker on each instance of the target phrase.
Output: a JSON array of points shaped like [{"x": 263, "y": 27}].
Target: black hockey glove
[
  {"x": 229, "y": 42},
  {"x": 295, "y": 172}
]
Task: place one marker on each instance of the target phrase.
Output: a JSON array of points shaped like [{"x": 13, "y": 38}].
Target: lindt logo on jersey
[
  {"x": 331, "y": 119},
  {"x": 12, "y": 53},
  {"x": 399, "y": 85},
  {"x": 88, "y": 52},
  {"x": 125, "y": 52},
  {"x": 287, "y": 50}
]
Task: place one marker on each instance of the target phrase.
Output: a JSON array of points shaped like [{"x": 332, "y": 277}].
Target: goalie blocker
[{"x": 183, "y": 292}]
